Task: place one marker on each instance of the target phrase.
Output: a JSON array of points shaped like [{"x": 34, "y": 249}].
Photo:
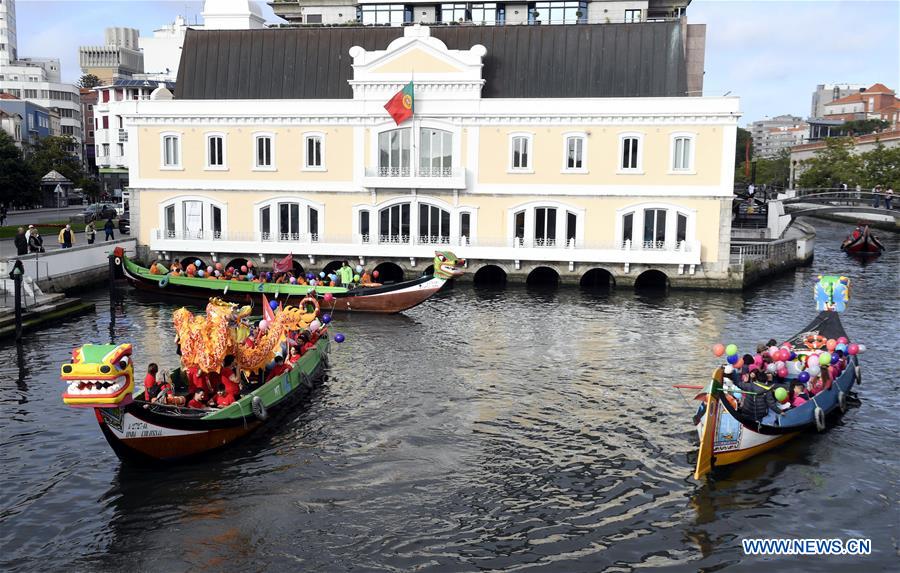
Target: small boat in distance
[
  {"x": 729, "y": 436},
  {"x": 389, "y": 298},
  {"x": 862, "y": 243}
]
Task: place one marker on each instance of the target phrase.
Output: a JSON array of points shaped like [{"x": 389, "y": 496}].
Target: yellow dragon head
[{"x": 99, "y": 376}]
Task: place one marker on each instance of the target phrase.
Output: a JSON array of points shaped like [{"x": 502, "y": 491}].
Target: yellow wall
[
  {"x": 288, "y": 154},
  {"x": 599, "y": 220},
  {"x": 602, "y": 156},
  {"x": 416, "y": 61}
]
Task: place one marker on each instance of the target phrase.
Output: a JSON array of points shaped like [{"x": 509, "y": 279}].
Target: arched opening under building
[
  {"x": 236, "y": 263},
  {"x": 332, "y": 267},
  {"x": 296, "y": 268},
  {"x": 429, "y": 271},
  {"x": 543, "y": 277},
  {"x": 598, "y": 279},
  {"x": 490, "y": 275},
  {"x": 389, "y": 273},
  {"x": 193, "y": 261},
  {"x": 652, "y": 280}
]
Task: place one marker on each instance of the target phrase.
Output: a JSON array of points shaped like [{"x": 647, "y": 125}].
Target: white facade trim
[
  {"x": 321, "y": 136},
  {"x": 206, "y": 137},
  {"x": 562, "y": 209},
  {"x": 583, "y": 135},
  {"x": 178, "y": 165},
  {"x": 254, "y": 160},
  {"x": 691, "y": 169},
  {"x": 639, "y": 170},
  {"x": 529, "y": 152}
]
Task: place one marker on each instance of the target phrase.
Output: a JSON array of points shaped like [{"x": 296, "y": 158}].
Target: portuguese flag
[{"x": 401, "y": 105}]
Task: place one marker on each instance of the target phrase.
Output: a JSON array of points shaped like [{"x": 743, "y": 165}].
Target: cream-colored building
[{"x": 573, "y": 184}]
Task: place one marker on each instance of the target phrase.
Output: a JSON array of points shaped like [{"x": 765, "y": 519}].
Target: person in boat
[
  {"x": 166, "y": 395},
  {"x": 198, "y": 380},
  {"x": 293, "y": 355},
  {"x": 278, "y": 368},
  {"x": 799, "y": 396},
  {"x": 365, "y": 278},
  {"x": 758, "y": 399},
  {"x": 229, "y": 377},
  {"x": 176, "y": 270},
  {"x": 222, "y": 399},
  {"x": 889, "y": 198},
  {"x": 199, "y": 400},
  {"x": 345, "y": 273},
  {"x": 150, "y": 387}
]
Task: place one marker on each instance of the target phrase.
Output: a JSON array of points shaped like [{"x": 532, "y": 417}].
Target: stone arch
[
  {"x": 332, "y": 267},
  {"x": 191, "y": 260},
  {"x": 598, "y": 279},
  {"x": 543, "y": 276},
  {"x": 389, "y": 272},
  {"x": 429, "y": 270},
  {"x": 236, "y": 262},
  {"x": 652, "y": 280},
  {"x": 490, "y": 275}
]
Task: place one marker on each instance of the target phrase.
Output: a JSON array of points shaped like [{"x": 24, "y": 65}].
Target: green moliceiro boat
[
  {"x": 390, "y": 298},
  {"x": 101, "y": 376}
]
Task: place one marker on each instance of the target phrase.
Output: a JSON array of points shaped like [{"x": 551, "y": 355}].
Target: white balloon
[
  {"x": 771, "y": 368},
  {"x": 315, "y": 325},
  {"x": 862, "y": 348},
  {"x": 793, "y": 367},
  {"x": 814, "y": 370}
]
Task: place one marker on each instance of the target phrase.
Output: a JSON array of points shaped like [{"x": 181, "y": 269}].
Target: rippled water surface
[{"x": 514, "y": 429}]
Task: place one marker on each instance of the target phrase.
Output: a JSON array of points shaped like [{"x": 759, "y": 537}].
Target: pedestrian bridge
[{"x": 838, "y": 202}]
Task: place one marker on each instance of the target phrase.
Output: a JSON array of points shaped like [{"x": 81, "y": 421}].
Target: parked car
[
  {"x": 125, "y": 225},
  {"x": 99, "y": 211}
]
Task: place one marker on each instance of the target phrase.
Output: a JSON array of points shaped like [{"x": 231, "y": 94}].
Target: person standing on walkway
[
  {"x": 28, "y": 233},
  {"x": 888, "y": 198},
  {"x": 90, "y": 231},
  {"x": 2, "y": 215},
  {"x": 346, "y": 275},
  {"x": 108, "y": 228},
  {"x": 21, "y": 242},
  {"x": 66, "y": 237},
  {"x": 876, "y": 196},
  {"x": 35, "y": 242},
  {"x": 858, "y": 190}
]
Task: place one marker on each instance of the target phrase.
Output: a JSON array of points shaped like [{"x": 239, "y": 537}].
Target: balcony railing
[
  {"x": 412, "y": 176},
  {"x": 418, "y": 172}
]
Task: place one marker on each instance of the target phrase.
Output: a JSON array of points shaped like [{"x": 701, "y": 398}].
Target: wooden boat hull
[
  {"x": 149, "y": 433},
  {"x": 726, "y": 437},
  {"x": 865, "y": 245},
  {"x": 387, "y": 299}
]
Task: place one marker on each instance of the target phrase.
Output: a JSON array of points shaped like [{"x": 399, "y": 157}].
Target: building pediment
[{"x": 416, "y": 60}]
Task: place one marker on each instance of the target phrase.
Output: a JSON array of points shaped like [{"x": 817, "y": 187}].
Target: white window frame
[
  {"x": 637, "y": 224},
  {"x": 304, "y": 205},
  {"x": 414, "y": 201},
  {"x": 562, "y": 209},
  {"x": 320, "y": 135},
  {"x": 639, "y": 170},
  {"x": 254, "y": 157},
  {"x": 691, "y": 169},
  {"x": 209, "y": 135},
  {"x": 529, "y": 137},
  {"x": 584, "y": 152},
  {"x": 162, "y": 151},
  {"x": 178, "y": 202}
]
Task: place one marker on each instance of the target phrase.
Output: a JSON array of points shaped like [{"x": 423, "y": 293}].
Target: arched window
[
  {"x": 415, "y": 220},
  {"x": 546, "y": 224},
  {"x": 393, "y": 224},
  {"x": 655, "y": 226},
  {"x": 435, "y": 152},
  {"x": 434, "y": 224},
  {"x": 394, "y": 152},
  {"x": 290, "y": 219},
  {"x": 193, "y": 217}
]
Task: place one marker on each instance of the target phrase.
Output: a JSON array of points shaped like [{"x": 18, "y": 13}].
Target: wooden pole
[{"x": 17, "y": 280}]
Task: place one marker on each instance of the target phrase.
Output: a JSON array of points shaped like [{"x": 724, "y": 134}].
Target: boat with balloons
[
  {"x": 221, "y": 349},
  {"x": 815, "y": 370},
  {"x": 244, "y": 284}
]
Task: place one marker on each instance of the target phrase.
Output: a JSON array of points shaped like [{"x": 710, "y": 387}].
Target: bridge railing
[{"x": 774, "y": 252}]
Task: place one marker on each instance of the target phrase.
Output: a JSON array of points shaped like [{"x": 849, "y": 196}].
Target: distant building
[
  {"x": 119, "y": 57},
  {"x": 827, "y": 93},
  {"x": 802, "y": 153},
  {"x": 232, "y": 15},
  {"x": 11, "y": 123},
  {"x": 37, "y": 80},
  {"x": 874, "y": 102},
  {"x": 771, "y": 135},
  {"x": 88, "y": 101},
  {"x": 35, "y": 118},
  {"x": 385, "y": 12}
]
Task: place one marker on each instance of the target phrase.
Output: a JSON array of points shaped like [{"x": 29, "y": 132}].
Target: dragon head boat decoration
[
  {"x": 99, "y": 376},
  {"x": 447, "y": 265}
]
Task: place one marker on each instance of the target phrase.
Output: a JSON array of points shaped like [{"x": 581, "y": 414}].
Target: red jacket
[
  {"x": 278, "y": 371},
  {"x": 196, "y": 404}
]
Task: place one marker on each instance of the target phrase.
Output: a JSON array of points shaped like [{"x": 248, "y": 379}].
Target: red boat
[{"x": 862, "y": 243}]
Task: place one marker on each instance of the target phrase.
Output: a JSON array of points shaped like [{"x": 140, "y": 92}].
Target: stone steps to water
[{"x": 49, "y": 309}]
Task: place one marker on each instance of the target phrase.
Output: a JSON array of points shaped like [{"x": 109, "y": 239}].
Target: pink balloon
[
  {"x": 758, "y": 360},
  {"x": 831, "y": 344},
  {"x": 209, "y": 269},
  {"x": 842, "y": 340},
  {"x": 782, "y": 372},
  {"x": 328, "y": 297},
  {"x": 853, "y": 349},
  {"x": 784, "y": 354},
  {"x": 263, "y": 325},
  {"x": 243, "y": 268},
  {"x": 779, "y": 365}
]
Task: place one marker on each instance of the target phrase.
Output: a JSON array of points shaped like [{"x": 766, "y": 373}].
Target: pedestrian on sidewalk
[
  {"x": 90, "y": 231},
  {"x": 28, "y": 233},
  {"x": 66, "y": 237},
  {"x": 35, "y": 241},
  {"x": 108, "y": 228},
  {"x": 2, "y": 215},
  {"x": 21, "y": 242},
  {"x": 876, "y": 196},
  {"x": 888, "y": 198}
]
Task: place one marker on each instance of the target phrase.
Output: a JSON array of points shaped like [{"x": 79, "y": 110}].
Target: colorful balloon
[
  {"x": 718, "y": 349},
  {"x": 784, "y": 354},
  {"x": 814, "y": 370},
  {"x": 803, "y": 377},
  {"x": 782, "y": 372},
  {"x": 853, "y": 349},
  {"x": 263, "y": 325},
  {"x": 326, "y": 318},
  {"x": 731, "y": 349},
  {"x": 339, "y": 338},
  {"x": 781, "y": 394},
  {"x": 737, "y": 395},
  {"x": 359, "y": 268},
  {"x": 198, "y": 262},
  {"x": 824, "y": 359},
  {"x": 322, "y": 274},
  {"x": 328, "y": 297},
  {"x": 375, "y": 274},
  {"x": 356, "y": 278},
  {"x": 273, "y": 304},
  {"x": 862, "y": 348},
  {"x": 218, "y": 266},
  {"x": 770, "y": 368},
  {"x": 842, "y": 340},
  {"x": 835, "y": 358},
  {"x": 201, "y": 273},
  {"x": 830, "y": 344}
]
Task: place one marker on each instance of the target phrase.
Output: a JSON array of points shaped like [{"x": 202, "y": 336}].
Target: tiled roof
[{"x": 5, "y": 95}]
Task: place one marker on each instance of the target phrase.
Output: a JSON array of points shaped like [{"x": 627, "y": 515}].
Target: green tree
[
  {"x": 833, "y": 165},
  {"x": 18, "y": 185},
  {"x": 880, "y": 166},
  {"x": 774, "y": 170},
  {"x": 740, "y": 150},
  {"x": 88, "y": 81},
  {"x": 863, "y": 126},
  {"x": 52, "y": 154},
  {"x": 91, "y": 188}
]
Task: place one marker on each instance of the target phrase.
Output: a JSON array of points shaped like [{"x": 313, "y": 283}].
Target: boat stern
[{"x": 99, "y": 376}]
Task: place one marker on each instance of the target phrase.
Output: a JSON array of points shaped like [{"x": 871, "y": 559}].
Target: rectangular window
[
  {"x": 465, "y": 224},
  {"x": 654, "y": 228},
  {"x": 105, "y": 96},
  {"x": 170, "y": 151},
  {"x": 193, "y": 219},
  {"x": 215, "y": 151},
  {"x": 263, "y": 151},
  {"x": 520, "y": 157},
  {"x": 170, "y": 221},
  {"x": 682, "y": 154},
  {"x": 105, "y": 150},
  {"x": 681, "y": 231},
  {"x": 364, "y": 226},
  {"x": 557, "y": 12},
  {"x": 571, "y": 228},
  {"x": 627, "y": 225},
  {"x": 485, "y": 14},
  {"x": 395, "y": 223},
  {"x": 313, "y": 18},
  {"x": 105, "y": 122},
  {"x": 120, "y": 149},
  {"x": 632, "y": 16},
  {"x": 574, "y": 153},
  {"x": 265, "y": 226},
  {"x": 289, "y": 221},
  {"x": 452, "y": 13},
  {"x": 630, "y": 153},
  {"x": 384, "y": 14},
  {"x": 545, "y": 226},
  {"x": 313, "y": 151},
  {"x": 216, "y": 222},
  {"x": 520, "y": 225},
  {"x": 313, "y": 223}
]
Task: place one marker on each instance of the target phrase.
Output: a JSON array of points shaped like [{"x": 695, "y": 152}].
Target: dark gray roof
[{"x": 581, "y": 60}]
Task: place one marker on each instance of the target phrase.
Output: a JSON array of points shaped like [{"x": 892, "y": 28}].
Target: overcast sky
[{"x": 771, "y": 53}]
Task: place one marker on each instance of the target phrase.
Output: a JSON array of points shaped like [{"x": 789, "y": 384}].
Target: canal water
[{"x": 511, "y": 429}]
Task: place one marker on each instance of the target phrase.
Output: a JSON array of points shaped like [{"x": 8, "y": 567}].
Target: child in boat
[
  {"x": 293, "y": 355},
  {"x": 150, "y": 387},
  {"x": 279, "y": 368},
  {"x": 199, "y": 400},
  {"x": 166, "y": 394},
  {"x": 800, "y": 396},
  {"x": 222, "y": 399}
]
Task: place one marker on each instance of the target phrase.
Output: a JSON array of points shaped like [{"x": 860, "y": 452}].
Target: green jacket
[{"x": 346, "y": 274}]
